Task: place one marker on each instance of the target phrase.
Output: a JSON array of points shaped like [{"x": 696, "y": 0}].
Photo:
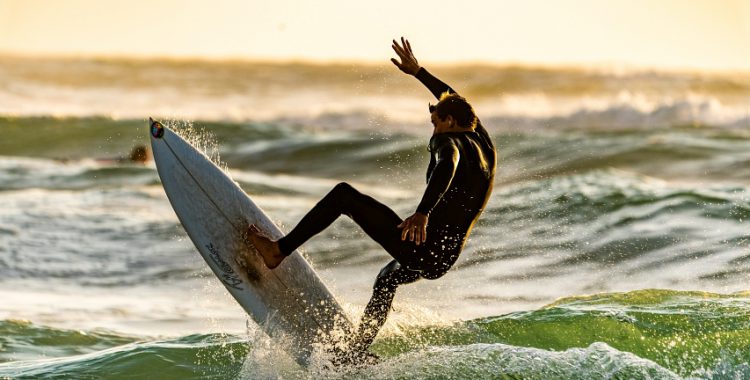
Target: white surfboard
[{"x": 289, "y": 302}]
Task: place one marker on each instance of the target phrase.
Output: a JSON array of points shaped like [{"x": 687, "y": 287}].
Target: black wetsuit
[{"x": 459, "y": 182}]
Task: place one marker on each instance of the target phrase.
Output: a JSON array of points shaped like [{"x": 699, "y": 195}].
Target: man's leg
[
  {"x": 376, "y": 312},
  {"x": 376, "y": 219}
]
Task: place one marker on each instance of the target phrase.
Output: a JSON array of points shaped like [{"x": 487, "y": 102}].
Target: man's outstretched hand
[
  {"x": 415, "y": 227},
  {"x": 408, "y": 63}
]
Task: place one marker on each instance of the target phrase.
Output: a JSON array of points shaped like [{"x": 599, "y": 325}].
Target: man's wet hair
[{"x": 456, "y": 106}]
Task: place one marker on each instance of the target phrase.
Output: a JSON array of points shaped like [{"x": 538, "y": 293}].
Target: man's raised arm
[{"x": 410, "y": 65}]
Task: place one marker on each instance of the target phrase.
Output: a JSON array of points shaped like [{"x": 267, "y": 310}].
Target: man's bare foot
[{"x": 267, "y": 248}]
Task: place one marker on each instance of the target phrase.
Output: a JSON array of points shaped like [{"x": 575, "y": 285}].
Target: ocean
[{"x": 615, "y": 245}]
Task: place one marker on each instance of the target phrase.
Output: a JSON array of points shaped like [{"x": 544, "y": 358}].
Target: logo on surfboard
[{"x": 228, "y": 277}]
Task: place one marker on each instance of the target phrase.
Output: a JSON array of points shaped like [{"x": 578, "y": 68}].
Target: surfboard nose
[{"x": 157, "y": 130}]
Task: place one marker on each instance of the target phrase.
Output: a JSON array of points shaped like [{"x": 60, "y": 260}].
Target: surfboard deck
[{"x": 290, "y": 302}]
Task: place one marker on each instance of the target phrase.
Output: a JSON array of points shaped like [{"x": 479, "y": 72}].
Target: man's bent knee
[
  {"x": 385, "y": 277},
  {"x": 343, "y": 187},
  {"x": 393, "y": 275}
]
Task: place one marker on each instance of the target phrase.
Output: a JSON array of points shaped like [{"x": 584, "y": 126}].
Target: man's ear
[{"x": 451, "y": 121}]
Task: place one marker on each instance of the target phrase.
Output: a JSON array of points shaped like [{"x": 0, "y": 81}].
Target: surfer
[
  {"x": 427, "y": 243},
  {"x": 138, "y": 155}
]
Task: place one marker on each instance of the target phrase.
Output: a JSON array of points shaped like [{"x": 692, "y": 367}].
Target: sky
[{"x": 692, "y": 34}]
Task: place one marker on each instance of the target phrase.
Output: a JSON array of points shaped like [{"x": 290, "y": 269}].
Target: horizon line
[{"x": 585, "y": 66}]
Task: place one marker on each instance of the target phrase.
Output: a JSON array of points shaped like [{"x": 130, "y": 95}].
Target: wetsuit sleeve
[
  {"x": 438, "y": 87},
  {"x": 442, "y": 175}
]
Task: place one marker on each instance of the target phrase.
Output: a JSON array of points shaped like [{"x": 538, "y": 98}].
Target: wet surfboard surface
[{"x": 290, "y": 302}]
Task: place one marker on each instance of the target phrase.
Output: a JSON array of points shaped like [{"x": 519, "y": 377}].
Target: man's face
[{"x": 440, "y": 125}]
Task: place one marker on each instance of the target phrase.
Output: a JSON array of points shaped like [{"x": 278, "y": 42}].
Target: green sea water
[{"x": 656, "y": 334}]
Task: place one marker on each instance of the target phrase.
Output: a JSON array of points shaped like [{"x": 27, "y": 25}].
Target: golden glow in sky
[{"x": 663, "y": 33}]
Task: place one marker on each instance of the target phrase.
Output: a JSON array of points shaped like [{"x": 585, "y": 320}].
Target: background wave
[{"x": 356, "y": 96}]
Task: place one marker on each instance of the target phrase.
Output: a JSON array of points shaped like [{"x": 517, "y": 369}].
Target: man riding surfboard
[{"x": 426, "y": 244}]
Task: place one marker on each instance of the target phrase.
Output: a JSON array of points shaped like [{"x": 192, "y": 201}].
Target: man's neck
[{"x": 438, "y": 131}]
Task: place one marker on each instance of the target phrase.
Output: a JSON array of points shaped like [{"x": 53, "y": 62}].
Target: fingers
[
  {"x": 405, "y": 225},
  {"x": 415, "y": 234},
  {"x": 414, "y": 231},
  {"x": 405, "y": 44},
  {"x": 402, "y": 51},
  {"x": 395, "y": 62},
  {"x": 408, "y": 229},
  {"x": 398, "y": 49}
]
